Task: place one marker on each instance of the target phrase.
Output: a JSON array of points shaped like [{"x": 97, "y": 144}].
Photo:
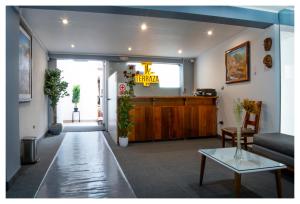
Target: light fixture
[
  {"x": 179, "y": 51},
  {"x": 72, "y": 45},
  {"x": 209, "y": 32},
  {"x": 144, "y": 26},
  {"x": 129, "y": 48},
  {"x": 65, "y": 21}
]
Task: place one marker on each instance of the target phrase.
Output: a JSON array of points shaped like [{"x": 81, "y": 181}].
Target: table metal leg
[
  {"x": 203, "y": 159},
  {"x": 223, "y": 139},
  {"x": 278, "y": 183},
  {"x": 237, "y": 183},
  {"x": 233, "y": 140},
  {"x": 245, "y": 142}
]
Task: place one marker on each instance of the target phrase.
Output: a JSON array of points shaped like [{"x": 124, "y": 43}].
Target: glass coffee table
[{"x": 249, "y": 163}]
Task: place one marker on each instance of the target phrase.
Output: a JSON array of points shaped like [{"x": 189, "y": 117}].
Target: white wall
[
  {"x": 263, "y": 85},
  {"x": 85, "y": 74},
  {"x": 33, "y": 119}
]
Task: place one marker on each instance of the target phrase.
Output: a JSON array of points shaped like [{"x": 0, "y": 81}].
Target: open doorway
[{"x": 88, "y": 76}]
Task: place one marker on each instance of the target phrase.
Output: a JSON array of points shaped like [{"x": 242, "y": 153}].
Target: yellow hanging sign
[{"x": 148, "y": 77}]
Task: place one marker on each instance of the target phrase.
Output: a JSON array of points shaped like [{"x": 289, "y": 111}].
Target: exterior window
[
  {"x": 287, "y": 79},
  {"x": 168, "y": 74}
]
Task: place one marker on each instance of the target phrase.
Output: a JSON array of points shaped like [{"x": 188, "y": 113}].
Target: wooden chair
[{"x": 246, "y": 132}]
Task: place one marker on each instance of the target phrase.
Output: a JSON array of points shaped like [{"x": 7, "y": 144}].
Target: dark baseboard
[
  {"x": 177, "y": 139},
  {"x": 10, "y": 182},
  {"x": 17, "y": 174}
]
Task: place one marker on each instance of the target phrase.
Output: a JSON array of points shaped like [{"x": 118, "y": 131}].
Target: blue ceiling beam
[
  {"x": 214, "y": 14},
  {"x": 286, "y": 17}
]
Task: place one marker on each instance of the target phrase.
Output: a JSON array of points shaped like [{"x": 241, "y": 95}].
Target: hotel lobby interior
[{"x": 182, "y": 102}]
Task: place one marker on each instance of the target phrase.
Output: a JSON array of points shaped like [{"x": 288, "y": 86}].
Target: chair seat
[{"x": 233, "y": 131}]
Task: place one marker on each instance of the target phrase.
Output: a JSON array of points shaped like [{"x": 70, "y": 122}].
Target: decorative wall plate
[
  {"x": 268, "y": 44},
  {"x": 268, "y": 61}
]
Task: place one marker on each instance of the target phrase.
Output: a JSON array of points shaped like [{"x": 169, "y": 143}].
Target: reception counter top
[{"x": 173, "y": 117}]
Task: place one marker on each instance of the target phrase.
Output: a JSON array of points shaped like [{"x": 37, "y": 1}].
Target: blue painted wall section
[
  {"x": 214, "y": 14},
  {"x": 13, "y": 163}
]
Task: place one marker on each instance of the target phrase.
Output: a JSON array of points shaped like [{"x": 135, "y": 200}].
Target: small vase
[
  {"x": 123, "y": 141},
  {"x": 238, "y": 151}
]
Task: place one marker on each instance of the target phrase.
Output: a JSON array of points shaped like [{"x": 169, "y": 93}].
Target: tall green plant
[
  {"x": 124, "y": 120},
  {"x": 76, "y": 95},
  {"x": 55, "y": 88}
]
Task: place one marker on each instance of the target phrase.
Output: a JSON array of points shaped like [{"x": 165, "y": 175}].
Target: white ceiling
[{"x": 97, "y": 33}]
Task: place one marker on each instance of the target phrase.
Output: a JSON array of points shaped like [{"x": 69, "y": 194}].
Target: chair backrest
[{"x": 255, "y": 122}]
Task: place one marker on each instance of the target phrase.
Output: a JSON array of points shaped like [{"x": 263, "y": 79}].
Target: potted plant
[
  {"x": 76, "y": 96},
  {"x": 55, "y": 88},
  {"x": 124, "y": 120}
]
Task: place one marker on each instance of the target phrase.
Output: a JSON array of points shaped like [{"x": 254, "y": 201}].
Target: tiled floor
[
  {"x": 82, "y": 127},
  {"x": 80, "y": 124},
  {"x": 85, "y": 167}
]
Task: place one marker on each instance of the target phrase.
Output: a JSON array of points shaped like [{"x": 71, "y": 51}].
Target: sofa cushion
[
  {"x": 277, "y": 142},
  {"x": 274, "y": 155}
]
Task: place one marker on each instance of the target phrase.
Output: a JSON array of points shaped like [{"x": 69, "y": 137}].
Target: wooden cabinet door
[
  {"x": 200, "y": 121},
  {"x": 172, "y": 124},
  {"x": 207, "y": 120},
  {"x": 211, "y": 120},
  {"x": 191, "y": 121},
  {"x": 157, "y": 123},
  {"x": 143, "y": 124}
]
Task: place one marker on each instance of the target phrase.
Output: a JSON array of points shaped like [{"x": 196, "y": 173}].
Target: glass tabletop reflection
[{"x": 250, "y": 162}]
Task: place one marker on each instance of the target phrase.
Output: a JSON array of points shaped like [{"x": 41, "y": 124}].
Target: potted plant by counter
[
  {"x": 124, "y": 120},
  {"x": 55, "y": 88},
  {"x": 129, "y": 78},
  {"x": 76, "y": 96}
]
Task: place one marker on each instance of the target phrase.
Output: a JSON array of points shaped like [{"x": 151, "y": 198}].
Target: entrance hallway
[
  {"x": 84, "y": 167},
  {"x": 82, "y": 127}
]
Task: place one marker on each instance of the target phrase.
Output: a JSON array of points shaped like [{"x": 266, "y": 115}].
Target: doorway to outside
[{"x": 88, "y": 76}]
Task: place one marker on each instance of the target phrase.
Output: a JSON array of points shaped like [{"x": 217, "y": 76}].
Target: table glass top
[{"x": 249, "y": 162}]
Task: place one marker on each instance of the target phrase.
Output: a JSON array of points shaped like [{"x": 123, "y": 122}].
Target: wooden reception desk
[{"x": 169, "y": 118}]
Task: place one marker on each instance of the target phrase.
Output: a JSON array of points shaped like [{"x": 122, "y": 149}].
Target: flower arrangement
[
  {"x": 238, "y": 107},
  {"x": 238, "y": 110},
  {"x": 249, "y": 106},
  {"x": 129, "y": 78}
]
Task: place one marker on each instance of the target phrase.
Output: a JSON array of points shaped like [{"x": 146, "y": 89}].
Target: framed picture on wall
[
  {"x": 237, "y": 61},
  {"x": 25, "y": 63}
]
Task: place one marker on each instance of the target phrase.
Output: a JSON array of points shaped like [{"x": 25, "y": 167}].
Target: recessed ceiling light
[
  {"x": 144, "y": 26},
  {"x": 72, "y": 45},
  {"x": 179, "y": 51},
  {"x": 129, "y": 48},
  {"x": 209, "y": 32},
  {"x": 65, "y": 21}
]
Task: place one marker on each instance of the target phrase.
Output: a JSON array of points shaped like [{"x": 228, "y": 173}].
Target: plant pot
[
  {"x": 123, "y": 141},
  {"x": 75, "y": 109},
  {"x": 55, "y": 129}
]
